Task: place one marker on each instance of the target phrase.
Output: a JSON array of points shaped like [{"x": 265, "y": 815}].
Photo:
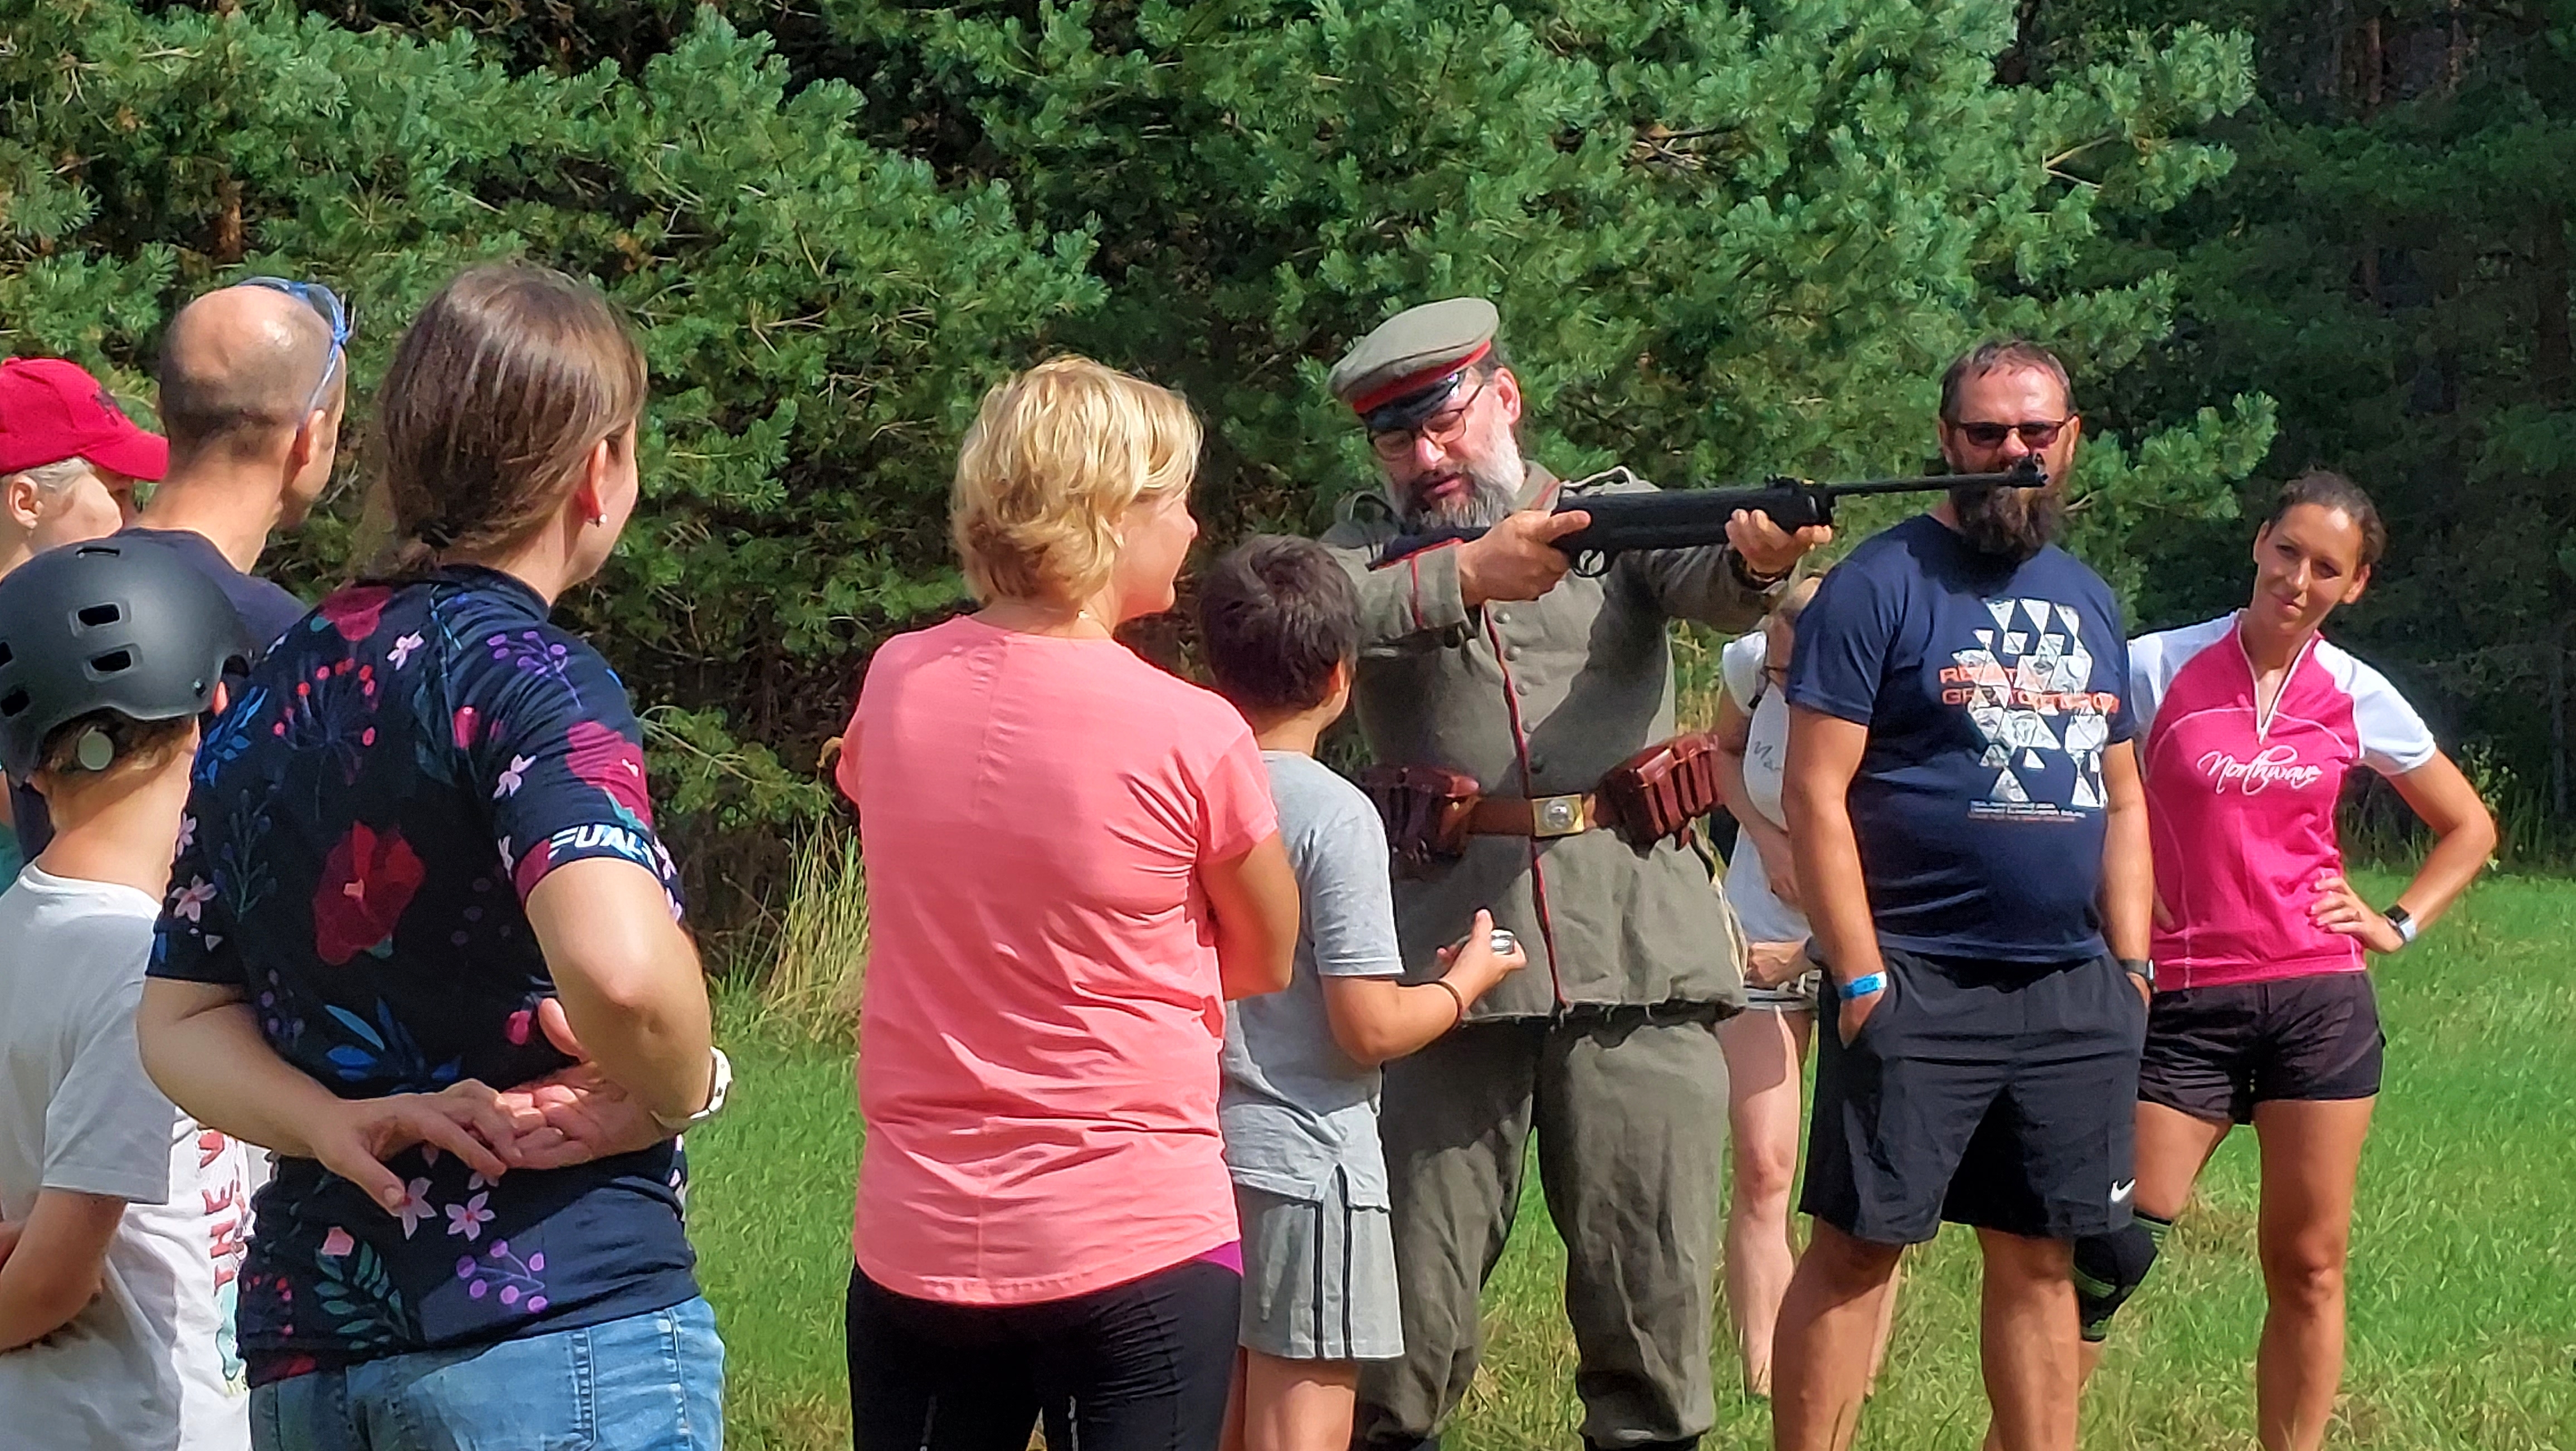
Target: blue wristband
[{"x": 1860, "y": 987}]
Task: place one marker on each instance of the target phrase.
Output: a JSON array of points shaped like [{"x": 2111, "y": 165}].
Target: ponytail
[{"x": 497, "y": 394}]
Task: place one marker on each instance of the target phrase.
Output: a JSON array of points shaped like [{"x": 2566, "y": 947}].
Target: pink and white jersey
[{"x": 2242, "y": 806}]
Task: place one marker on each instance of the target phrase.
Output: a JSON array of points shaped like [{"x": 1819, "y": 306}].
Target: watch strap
[{"x": 719, "y": 1087}]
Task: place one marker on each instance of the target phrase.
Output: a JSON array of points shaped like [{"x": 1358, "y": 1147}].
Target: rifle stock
[{"x": 1690, "y": 518}]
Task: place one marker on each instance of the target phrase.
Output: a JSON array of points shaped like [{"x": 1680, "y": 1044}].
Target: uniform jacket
[{"x": 1534, "y": 699}]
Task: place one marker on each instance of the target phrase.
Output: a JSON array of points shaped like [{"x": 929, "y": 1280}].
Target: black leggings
[{"x": 1142, "y": 1366}]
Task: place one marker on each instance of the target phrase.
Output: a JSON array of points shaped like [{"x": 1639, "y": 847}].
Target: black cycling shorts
[
  {"x": 1142, "y": 1366},
  {"x": 2000, "y": 1095},
  {"x": 2215, "y": 1052}
]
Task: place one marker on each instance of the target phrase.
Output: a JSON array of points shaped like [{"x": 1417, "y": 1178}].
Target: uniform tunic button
[
  {"x": 1522, "y": 686},
  {"x": 1538, "y": 763},
  {"x": 1502, "y": 617},
  {"x": 1511, "y": 652}
]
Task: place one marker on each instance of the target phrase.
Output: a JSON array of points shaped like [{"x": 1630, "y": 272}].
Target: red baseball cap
[{"x": 51, "y": 410}]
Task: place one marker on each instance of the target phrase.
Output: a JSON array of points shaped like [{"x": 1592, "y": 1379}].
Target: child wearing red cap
[{"x": 69, "y": 459}]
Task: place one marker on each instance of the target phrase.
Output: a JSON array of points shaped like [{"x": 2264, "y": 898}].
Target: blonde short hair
[{"x": 1056, "y": 456}]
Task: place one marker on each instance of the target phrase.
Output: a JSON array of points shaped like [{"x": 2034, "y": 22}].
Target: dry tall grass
[{"x": 810, "y": 986}]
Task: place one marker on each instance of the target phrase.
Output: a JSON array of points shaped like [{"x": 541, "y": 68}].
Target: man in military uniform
[{"x": 1489, "y": 658}]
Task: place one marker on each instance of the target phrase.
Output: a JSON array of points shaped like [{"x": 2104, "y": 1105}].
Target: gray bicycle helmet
[{"x": 115, "y": 624}]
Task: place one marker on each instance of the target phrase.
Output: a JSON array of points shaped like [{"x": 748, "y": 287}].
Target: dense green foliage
[
  {"x": 1728, "y": 239},
  {"x": 2389, "y": 259}
]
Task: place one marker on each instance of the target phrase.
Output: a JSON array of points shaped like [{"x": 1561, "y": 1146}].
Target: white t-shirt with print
[
  {"x": 150, "y": 1362},
  {"x": 1766, "y": 751}
]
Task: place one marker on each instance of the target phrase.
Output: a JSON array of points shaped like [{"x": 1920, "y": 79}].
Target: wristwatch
[
  {"x": 2404, "y": 922},
  {"x": 721, "y": 1084},
  {"x": 2140, "y": 968}
]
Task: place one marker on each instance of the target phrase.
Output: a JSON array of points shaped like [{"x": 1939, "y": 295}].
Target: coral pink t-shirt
[
  {"x": 1039, "y": 1035},
  {"x": 2241, "y": 805}
]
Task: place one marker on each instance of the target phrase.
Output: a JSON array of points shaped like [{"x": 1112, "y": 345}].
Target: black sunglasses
[{"x": 2039, "y": 433}]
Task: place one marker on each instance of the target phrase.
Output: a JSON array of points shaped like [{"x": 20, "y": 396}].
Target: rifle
[{"x": 1688, "y": 518}]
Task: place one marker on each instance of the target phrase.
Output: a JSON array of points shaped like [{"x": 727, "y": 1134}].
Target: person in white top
[
  {"x": 1765, "y": 1045},
  {"x": 121, "y": 1219}
]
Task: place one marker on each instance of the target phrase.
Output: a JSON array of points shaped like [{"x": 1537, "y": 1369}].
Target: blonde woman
[
  {"x": 1765, "y": 1045},
  {"x": 1073, "y": 861}
]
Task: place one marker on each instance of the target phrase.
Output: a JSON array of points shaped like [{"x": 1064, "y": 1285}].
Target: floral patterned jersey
[{"x": 365, "y": 821}]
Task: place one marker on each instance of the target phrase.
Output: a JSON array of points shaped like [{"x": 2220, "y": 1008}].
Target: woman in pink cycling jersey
[{"x": 2263, "y": 1011}]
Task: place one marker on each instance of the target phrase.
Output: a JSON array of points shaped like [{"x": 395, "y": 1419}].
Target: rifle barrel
[{"x": 1925, "y": 483}]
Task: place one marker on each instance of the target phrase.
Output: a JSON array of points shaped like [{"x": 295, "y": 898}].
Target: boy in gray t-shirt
[{"x": 1280, "y": 624}]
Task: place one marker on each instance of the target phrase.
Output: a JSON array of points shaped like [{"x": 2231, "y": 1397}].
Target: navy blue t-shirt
[
  {"x": 1990, "y": 691},
  {"x": 399, "y": 773},
  {"x": 266, "y": 610}
]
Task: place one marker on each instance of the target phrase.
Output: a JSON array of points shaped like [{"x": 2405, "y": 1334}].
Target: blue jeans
[{"x": 651, "y": 1382}]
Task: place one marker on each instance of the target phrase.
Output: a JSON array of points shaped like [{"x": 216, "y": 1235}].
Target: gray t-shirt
[{"x": 1295, "y": 1107}]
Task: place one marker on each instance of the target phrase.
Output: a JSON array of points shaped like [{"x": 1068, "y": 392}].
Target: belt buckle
[{"x": 1552, "y": 816}]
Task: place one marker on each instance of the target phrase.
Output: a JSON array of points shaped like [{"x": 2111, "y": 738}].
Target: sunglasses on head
[
  {"x": 333, "y": 312},
  {"x": 2039, "y": 433}
]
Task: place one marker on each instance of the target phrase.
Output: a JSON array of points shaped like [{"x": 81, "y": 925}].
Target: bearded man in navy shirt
[{"x": 1970, "y": 834}]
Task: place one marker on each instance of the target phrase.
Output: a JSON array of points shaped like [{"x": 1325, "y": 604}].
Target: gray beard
[{"x": 1491, "y": 495}]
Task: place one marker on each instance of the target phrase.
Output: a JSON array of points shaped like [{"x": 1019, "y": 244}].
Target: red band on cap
[{"x": 1386, "y": 393}]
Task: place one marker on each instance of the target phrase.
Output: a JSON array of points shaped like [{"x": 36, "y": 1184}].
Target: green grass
[{"x": 2463, "y": 1286}]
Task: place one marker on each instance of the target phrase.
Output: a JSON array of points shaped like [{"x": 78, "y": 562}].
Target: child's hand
[{"x": 1473, "y": 966}]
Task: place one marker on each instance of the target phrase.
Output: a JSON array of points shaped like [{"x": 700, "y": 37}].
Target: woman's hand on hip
[
  {"x": 1774, "y": 964},
  {"x": 2339, "y": 909}
]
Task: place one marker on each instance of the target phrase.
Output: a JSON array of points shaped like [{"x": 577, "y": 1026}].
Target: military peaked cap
[{"x": 1404, "y": 371}]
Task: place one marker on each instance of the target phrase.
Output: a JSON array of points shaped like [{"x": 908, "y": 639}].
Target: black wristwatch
[
  {"x": 2404, "y": 922},
  {"x": 2141, "y": 969}
]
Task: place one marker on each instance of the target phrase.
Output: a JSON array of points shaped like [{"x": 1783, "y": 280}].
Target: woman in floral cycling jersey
[{"x": 419, "y": 866}]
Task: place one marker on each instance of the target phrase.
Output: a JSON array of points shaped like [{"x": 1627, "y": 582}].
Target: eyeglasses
[
  {"x": 1443, "y": 428},
  {"x": 333, "y": 311},
  {"x": 2039, "y": 433}
]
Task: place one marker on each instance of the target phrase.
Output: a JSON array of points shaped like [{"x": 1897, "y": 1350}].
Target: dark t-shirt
[
  {"x": 1990, "y": 691},
  {"x": 401, "y": 771},
  {"x": 266, "y": 610}
]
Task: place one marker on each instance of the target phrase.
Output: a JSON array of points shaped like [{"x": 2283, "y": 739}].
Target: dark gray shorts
[
  {"x": 2001, "y": 1095},
  {"x": 2215, "y": 1052},
  {"x": 1318, "y": 1277}
]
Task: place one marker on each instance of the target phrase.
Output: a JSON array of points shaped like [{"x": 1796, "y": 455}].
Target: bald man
[
  {"x": 253, "y": 381},
  {"x": 252, "y": 386}
]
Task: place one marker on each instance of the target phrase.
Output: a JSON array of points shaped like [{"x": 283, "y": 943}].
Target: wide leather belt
[{"x": 1539, "y": 816}]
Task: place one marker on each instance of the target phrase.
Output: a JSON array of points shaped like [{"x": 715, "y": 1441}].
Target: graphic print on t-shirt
[
  {"x": 1991, "y": 691},
  {"x": 2025, "y": 683}
]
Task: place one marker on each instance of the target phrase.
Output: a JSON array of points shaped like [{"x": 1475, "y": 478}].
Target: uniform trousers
[{"x": 1629, "y": 1110}]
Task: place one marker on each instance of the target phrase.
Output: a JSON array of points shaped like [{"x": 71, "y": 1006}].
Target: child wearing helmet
[{"x": 121, "y": 1218}]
